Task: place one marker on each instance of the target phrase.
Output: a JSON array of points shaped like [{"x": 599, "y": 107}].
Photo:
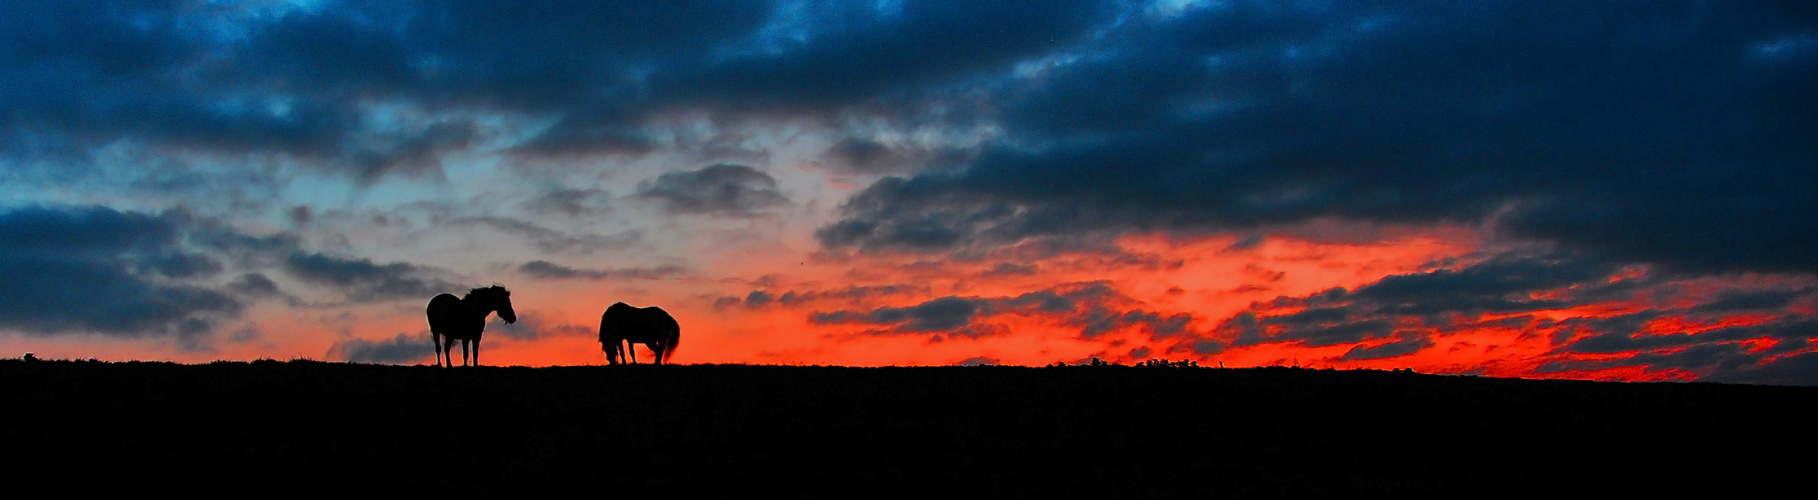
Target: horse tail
[{"x": 674, "y": 341}]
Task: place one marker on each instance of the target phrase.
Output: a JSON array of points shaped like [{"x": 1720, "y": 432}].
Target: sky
[{"x": 1573, "y": 189}]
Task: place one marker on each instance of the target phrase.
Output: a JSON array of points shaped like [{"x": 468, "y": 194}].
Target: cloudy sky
[{"x": 1599, "y": 190}]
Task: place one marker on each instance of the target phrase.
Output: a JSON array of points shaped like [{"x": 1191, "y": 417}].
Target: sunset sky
[{"x": 1589, "y": 190}]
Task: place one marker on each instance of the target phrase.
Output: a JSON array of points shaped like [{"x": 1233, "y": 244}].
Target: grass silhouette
[{"x": 986, "y": 431}]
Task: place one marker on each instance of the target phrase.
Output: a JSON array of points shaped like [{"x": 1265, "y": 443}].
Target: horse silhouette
[
  {"x": 465, "y": 319},
  {"x": 621, "y": 325}
]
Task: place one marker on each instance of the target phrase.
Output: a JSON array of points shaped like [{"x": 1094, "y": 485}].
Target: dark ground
[{"x": 830, "y": 432}]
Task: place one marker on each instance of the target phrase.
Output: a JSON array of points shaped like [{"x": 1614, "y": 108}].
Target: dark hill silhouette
[
  {"x": 464, "y": 318},
  {"x": 714, "y": 431},
  {"x": 622, "y": 325}
]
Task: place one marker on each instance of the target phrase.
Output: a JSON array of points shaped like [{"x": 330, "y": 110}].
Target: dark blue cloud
[
  {"x": 1730, "y": 362},
  {"x": 550, "y": 270},
  {"x": 1408, "y": 345},
  {"x": 254, "y": 285},
  {"x": 97, "y": 270},
  {"x": 852, "y": 294},
  {"x": 292, "y": 80},
  {"x": 531, "y": 325},
  {"x": 1501, "y": 293},
  {"x": 840, "y": 54},
  {"x": 1094, "y": 308},
  {"x": 91, "y": 73},
  {"x": 362, "y": 279},
  {"x": 1797, "y": 369},
  {"x": 758, "y": 298},
  {"x": 1673, "y": 133},
  {"x": 552, "y": 240},
  {"x": 1502, "y": 284},
  {"x": 296, "y": 79},
  {"x": 570, "y": 202},
  {"x": 1669, "y": 134},
  {"x": 403, "y": 348},
  {"x": 944, "y": 314},
  {"x": 1750, "y": 300},
  {"x": 1624, "y": 334},
  {"x": 1507, "y": 283},
  {"x": 721, "y": 189}
]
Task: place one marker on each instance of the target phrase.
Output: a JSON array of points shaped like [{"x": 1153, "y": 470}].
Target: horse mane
[{"x": 485, "y": 291}]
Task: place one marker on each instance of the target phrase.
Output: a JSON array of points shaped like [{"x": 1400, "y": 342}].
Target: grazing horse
[
  {"x": 465, "y": 318},
  {"x": 622, "y": 324}
]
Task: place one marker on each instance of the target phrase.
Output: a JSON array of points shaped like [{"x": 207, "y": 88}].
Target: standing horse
[
  {"x": 622, "y": 324},
  {"x": 465, "y": 318}
]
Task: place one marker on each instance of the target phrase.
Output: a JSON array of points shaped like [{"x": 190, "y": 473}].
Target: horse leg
[
  {"x": 476, "y": 352},
  {"x": 437, "y": 338},
  {"x": 464, "y": 352},
  {"x": 657, "y": 348}
]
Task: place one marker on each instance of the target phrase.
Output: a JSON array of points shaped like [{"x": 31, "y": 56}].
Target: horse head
[
  {"x": 504, "y": 306},
  {"x": 496, "y": 298}
]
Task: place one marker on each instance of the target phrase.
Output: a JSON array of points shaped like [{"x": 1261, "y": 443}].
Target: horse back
[
  {"x": 442, "y": 311},
  {"x": 454, "y": 318},
  {"x": 659, "y": 326},
  {"x": 665, "y": 323},
  {"x": 639, "y": 325}
]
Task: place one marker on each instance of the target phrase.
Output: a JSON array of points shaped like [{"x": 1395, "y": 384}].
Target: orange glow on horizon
[{"x": 1137, "y": 296}]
